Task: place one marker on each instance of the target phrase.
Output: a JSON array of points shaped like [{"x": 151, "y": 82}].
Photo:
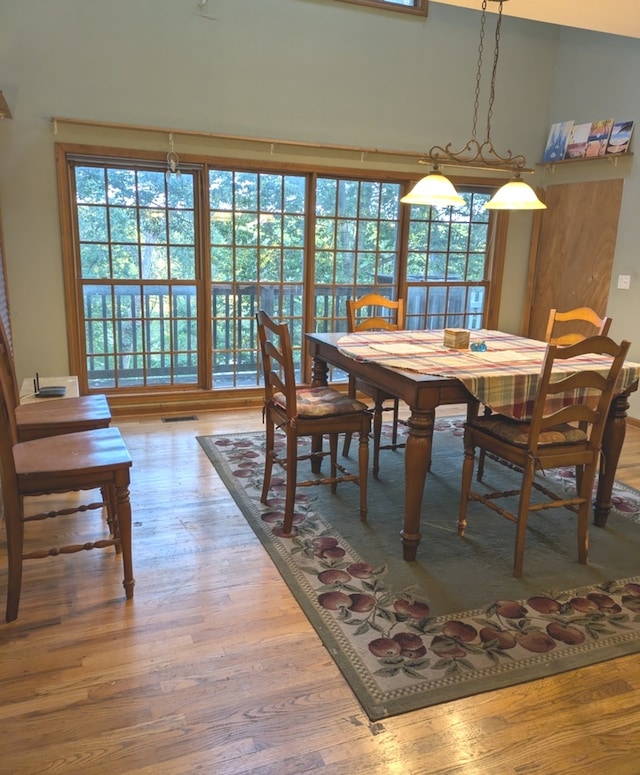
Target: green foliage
[{"x": 138, "y": 249}]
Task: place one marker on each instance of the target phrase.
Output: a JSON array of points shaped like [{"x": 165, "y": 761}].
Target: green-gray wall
[{"x": 319, "y": 71}]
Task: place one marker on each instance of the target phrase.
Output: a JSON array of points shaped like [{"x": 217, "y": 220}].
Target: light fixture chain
[
  {"x": 436, "y": 189},
  {"x": 496, "y": 56},
  {"x": 476, "y": 102}
]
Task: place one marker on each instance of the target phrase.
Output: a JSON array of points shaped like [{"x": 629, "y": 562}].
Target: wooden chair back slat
[
  {"x": 373, "y": 312},
  {"x": 574, "y": 325}
]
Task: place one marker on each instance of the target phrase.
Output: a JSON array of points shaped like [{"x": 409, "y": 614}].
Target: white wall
[{"x": 311, "y": 70}]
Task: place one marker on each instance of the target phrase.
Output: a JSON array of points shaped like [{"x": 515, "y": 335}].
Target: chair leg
[
  {"x": 124, "y": 528},
  {"x": 586, "y": 487},
  {"x": 15, "y": 543},
  {"x": 268, "y": 459},
  {"x": 523, "y": 514},
  {"x": 467, "y": 475},
  {"x": 333, "y": 449},
  {"x": 580, "y": 469},
  {"x": 363, "y": 468},
  {"x": 292, "y": 475},
  {"x": 377, "y": 433},
  {"x": 114, "y": 525},
  {"x": 481, "y": 457},
  {"x": 347, "y": 436},
  {"x": 394, "y": 434},
  {"x": 480, "y": 471},
  {"x": 107, "y": 504},
  {"x": 110, "y": 497},
  {"x": 583, "y": 532}
]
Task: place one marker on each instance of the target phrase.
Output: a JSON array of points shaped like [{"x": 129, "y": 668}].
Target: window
[
  {"x": 357, "y": 225},
  {"x": 408, "y": 6},
  {"x": 447, "y": 277},
  {"x": 165, "y": 272},
  {"x": 136, "y": 248},
  {"x": 258, "y": 224}
]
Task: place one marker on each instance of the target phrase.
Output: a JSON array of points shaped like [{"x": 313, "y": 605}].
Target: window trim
[{"x": 419, "y": 7}]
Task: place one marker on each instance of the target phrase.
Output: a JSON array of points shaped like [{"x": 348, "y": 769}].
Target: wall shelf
[{"x": 611, "y": 158}]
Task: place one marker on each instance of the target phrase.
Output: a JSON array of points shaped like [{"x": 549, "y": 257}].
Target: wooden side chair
[
  {"x": 574, "y": 325},
  {"x": 305, "y": 411},
  {"x": 50, "y": 418},
  {"x": 565, "y": 328},
  {"x": 87, "y": 460},
  {"x": 373, "y": 312},
  {"x": 53, "y": 418},
  {"x": 554, "y": 438}
]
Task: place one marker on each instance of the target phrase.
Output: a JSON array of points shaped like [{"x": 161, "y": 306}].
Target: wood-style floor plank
[{"x": 213, "y": 668}]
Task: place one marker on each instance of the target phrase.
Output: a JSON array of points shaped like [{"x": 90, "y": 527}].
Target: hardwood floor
[{"x": 213, "y": 668}]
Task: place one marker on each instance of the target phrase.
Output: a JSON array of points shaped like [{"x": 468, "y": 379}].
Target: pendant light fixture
[{"x": 436, "y": 189}]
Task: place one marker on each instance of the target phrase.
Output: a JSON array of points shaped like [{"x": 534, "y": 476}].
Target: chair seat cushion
[
  {"x": 515, "y": 432},
  {"x": 321, "y": 402}
]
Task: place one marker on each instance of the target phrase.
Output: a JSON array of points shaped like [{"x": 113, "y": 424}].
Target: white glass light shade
[
  {"x": 434, "y": 189},
  {"x": 515, "y": 195}
]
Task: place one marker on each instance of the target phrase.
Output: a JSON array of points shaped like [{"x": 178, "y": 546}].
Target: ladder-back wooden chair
[
  {"x": 87, "y": 460},
  {"x": 373, "y": 312},
  {"x": 51, "y": 418},
  {"x": 574, "y": 325},
  {"x": 565, "y": 328},
  {"x": 553, "y": 438},
  {"x": 54, "y": 417},
  {"x": 300, "y": 411}
]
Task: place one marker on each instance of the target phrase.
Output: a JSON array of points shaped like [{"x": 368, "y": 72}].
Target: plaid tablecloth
[{"x": 504, "y": 377}]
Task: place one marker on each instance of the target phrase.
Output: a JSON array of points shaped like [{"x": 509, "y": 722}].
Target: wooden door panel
[{"x": 576, "y": 249}]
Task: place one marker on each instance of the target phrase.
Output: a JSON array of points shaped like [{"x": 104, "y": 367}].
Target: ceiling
[{"x": 619, "y": 18}]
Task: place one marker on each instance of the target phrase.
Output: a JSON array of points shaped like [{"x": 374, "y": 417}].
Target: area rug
[{"x": 455, "y": 622}]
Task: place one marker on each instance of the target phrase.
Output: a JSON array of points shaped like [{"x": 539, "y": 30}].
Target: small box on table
[{"x": 456, "y": 338}]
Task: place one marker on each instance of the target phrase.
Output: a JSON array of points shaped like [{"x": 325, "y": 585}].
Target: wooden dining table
[{"x": 416, "y": 367}]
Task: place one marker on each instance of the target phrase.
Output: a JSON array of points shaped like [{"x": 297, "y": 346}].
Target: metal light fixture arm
[{"x": 475, "y": 153}]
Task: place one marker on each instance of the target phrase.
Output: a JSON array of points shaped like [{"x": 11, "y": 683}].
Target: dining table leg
[
  {"x": 612, "y": 441},
  {"x": 417, "y": 456}
]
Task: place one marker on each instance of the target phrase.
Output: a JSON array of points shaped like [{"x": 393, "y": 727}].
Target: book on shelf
[
  {"x": 598, "y": 138},
  {"x": 557, "y": 142},
  {"x": 620, "y": 137},
  {"x": 578, "y": 139}
]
